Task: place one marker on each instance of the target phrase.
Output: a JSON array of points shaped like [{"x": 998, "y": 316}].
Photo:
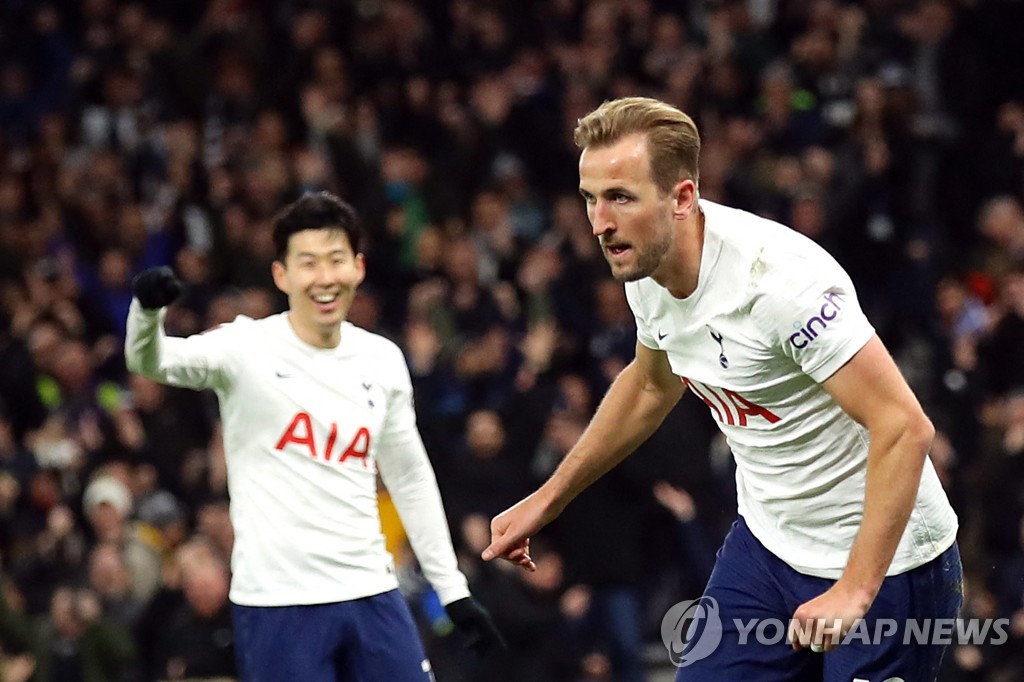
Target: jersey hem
[
  {"x": 896, "y": 568},
  {"x": 305, "y": 599}
]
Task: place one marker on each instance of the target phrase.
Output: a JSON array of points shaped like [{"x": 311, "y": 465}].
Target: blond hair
[{"x": 672, "y": 138}]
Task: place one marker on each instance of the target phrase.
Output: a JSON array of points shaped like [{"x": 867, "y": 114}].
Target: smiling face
[
  {"x": 633, "y": 220},
  {"x": 319, "y": 274}
]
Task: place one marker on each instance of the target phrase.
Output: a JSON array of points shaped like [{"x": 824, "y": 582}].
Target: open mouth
[
  {"x": 616, "y": 250},
  {"x": 326, "y": 302}
]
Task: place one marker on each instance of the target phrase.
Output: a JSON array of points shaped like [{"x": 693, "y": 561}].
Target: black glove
[
  {"x": 156, "y": 287},
  {"x": 475, "y": 622}
]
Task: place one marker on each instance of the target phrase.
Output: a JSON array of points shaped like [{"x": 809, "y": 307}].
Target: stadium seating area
[{"x": 169, "y": 132}]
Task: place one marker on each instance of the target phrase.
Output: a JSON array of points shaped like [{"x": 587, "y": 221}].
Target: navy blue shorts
[
  {"x": 372, "y": 639},
  {"x": 750, "y": 584}
]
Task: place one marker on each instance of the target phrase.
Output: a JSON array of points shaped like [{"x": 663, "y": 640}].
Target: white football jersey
[
  {"x": 305, "y": 432},
  {"x": 772, "y": 317}
]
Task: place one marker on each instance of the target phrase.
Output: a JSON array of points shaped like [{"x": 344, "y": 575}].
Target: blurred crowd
[{"x": 137, "y": 133}]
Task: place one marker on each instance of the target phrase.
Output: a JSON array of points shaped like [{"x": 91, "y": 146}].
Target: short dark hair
[
  {"x": 673, "y": 142},
  {"x": 316, "y": 211}
]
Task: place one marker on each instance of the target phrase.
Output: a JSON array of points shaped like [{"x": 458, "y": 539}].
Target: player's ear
[
  {"x": 361, "y": 267},
  {"x": 685, "y": 195},
  {"x": 279, "y": 272}
]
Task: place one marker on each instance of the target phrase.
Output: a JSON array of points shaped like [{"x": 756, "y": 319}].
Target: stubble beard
[{"x": 647, "y": 262}]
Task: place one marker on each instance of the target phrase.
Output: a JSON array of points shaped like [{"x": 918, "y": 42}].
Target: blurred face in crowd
[
  {"x": 632, "y": 219},
  {"x": 485, "y": 433},
  {"x": 107, "y": 521},
  {"x": 319, "y": 274}
]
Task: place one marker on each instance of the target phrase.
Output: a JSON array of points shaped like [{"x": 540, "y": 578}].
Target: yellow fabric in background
[{"x": 391, "y": 526}]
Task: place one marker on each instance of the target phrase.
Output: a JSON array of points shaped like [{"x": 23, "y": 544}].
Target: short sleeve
[
  {"x": 814, "y": 316},
  {"x": 643, "y": 329}
]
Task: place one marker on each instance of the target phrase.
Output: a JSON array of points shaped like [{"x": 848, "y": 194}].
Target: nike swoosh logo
[
  {"x": 367, "y": 386},
  {"x": 283, "y": 375},
  {"x": 661, "y": 336}
]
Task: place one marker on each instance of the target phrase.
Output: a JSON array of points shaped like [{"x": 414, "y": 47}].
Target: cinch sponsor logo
[{"x": 808, "y": 331}]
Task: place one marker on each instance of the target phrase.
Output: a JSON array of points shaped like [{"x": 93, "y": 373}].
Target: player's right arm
[
  {"x": 633, "y": 408},
  {"x": 192, "y": 363}
]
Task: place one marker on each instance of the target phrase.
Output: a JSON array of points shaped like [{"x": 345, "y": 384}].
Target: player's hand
[
  {"x": 472, "y": 619},
  {"x": 512, "y": 528},
  {"x": 821, "y": 623},
  {"x": 156, "y": 287}
]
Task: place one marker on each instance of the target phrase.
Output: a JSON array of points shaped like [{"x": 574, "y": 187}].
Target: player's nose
[
  {"x": 602, "y": 220},
  {"x": 325, "y": 274}
]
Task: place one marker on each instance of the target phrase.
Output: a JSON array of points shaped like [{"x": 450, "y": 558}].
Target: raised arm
[
  {"x": 191, "y": 362},
  {"x": 634, "y": 406}
]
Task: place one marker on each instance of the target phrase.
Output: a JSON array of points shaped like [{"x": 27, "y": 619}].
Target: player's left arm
[
  {"x": 408, "y": 475},
  {"x": 872, "y": 391},
  {"x": 406, "y": 471}
]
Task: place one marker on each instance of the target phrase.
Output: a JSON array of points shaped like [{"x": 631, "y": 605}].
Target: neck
[
  {"x": 318, "y": 337},
  {"x": 681, "y": 264}
]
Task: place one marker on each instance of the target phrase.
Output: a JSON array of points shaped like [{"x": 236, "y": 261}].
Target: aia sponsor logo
[
  {"x": 729, "y": 407},
  {"x": 300, "y": 434},
  {"x": 807, "y": 331}
]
